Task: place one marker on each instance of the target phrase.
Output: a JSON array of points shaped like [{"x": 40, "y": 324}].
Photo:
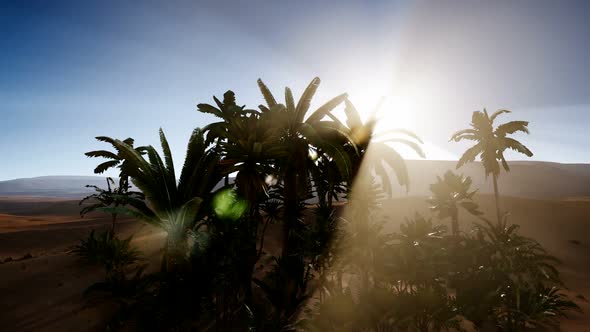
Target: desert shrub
[
  {"x": 393, "y": 281},
  {"x": 106, "y": 250},
  {"x": 505, "y": 279},
  {"x": 423, "y": 279}
]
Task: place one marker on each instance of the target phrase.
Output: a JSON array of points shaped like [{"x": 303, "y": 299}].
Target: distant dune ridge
[
  {"x": 51, "y": 186},
  {"x": 527, "y": 179}
]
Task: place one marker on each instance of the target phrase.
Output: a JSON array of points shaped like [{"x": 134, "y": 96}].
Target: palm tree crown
[
  {"x": 491, "y": 143},
  {"x": 378, "y": 145},
  {"x": 448, "y": 194}
]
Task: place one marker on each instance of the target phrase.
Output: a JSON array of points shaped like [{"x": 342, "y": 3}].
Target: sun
[
  {"x": 391, "y": 110},
  {"x": 401, "y": 108}
]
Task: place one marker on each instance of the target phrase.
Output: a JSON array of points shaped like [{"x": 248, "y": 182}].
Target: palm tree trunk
[
  {"x": 114, "y": 223},
  {"x": 455, "y": 222},
  {"x": 290, "y": 213},
  {"x": 497, "y": 195},
  {"x": 262, "y": 239}
]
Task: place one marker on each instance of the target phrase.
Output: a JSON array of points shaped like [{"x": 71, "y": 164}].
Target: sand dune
[
  {"x": 559, "y": 181},
  {"x": 51, "y": 186}
]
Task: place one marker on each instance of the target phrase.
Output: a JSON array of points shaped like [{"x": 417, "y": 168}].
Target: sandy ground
[{"x": 44, "y": 293}]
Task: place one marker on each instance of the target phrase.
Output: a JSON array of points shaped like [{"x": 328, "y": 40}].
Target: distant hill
[
  {"x": 528, "y": 179},
  {"x": 51, "y": 186}
]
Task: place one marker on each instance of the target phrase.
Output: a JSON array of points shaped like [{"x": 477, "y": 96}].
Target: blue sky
[{"x": 73, "y": 70}]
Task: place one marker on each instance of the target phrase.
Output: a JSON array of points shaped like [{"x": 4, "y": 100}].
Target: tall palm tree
[
  {"x": 170, "y": 205},
  {"x": 307, "y": 137},
  {"x": 448, "y": 194},
  {"x": 490, "y": 145},
  {"x": 301, "y": 134},
  {"x": 248, "y": 144}
]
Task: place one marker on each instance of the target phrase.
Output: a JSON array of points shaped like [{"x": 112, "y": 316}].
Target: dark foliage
[{"x": 334, "y": 270}]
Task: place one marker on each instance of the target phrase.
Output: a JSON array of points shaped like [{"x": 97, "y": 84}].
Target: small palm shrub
[
  {"x": 449, "y": 193},
  {"x": 423, "y": 279},
  {"x": 505, "y": 279},
  {"x": 392, "y": 282},
  {"x": 104, "y": 249}
]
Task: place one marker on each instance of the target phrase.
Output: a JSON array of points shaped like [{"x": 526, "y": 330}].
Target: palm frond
[
  {"x": 469, "y": 155},
  {"x": 101, "y": 168},
  {"x": 129, "y": 141},
  {"x": 326, "y": 108},
  {"x": 101, "y": 154},
  {"x": 516, "y": 146},
  {"x": 411, "y": 144},
  {"x": 268, "y": 97},
  {"x": 353, "y": 118},
  {"x": 290, "y": 102},
  {"x": 167, "y": 153},
  {"x": 206, "y": 108},
  {"x": 512, "y": 127},
  {"x": 467, "y": 134},
  {"x": 305, "y": 100},
  {"x": 496, "y": 113},
  {"x": 394, "y": 160},
  {"x": 402, "y": 131},
  {"x": 463, "y": 134}
]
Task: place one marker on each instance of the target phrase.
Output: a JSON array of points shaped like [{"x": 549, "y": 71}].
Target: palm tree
[
  {"x": 114, "y": 160},
  {"x": 378, "y": 145},
  {"x": 301, "y": 134},
  {"x": 170, "y": 205},
  {"x": 490, "y": 145},
  {"x": 248, "y": 144},
  {"x": 450, "y": 193},
  {"x": 308, "y": 138},
  {"x": 111, "y": 197}
]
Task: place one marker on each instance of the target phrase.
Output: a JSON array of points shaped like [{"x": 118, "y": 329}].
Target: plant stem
[{"x": 497, "y": 195}]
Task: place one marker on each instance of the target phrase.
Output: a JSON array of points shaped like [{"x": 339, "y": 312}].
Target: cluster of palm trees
[
  {"x": 287, "y": 161},
  {"x": 421, "y": 278}
]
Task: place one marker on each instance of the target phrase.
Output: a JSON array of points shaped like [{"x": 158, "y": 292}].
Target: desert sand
[{"x": 44, "y": 293}]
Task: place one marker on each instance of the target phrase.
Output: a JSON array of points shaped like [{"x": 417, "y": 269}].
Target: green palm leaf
[
  {"x": 470, "y": 154},
  {"x": 353, "y": 118},
  {"x": 305, "y": 100},
  {"x": 102, "y": 154},
  {"x": 516, "y": 146},
  {"x": 167, "y": 153},
  {"x": 101, "y": 168},
  {"x": 495, "y": 115},
  {"x": 268, "y": 97},
  {"x": 512, "y": 127},
  {"x": 206, "y": 108},
  {"x": 290, "y": 102},
  {"x": 326, "y": 108}
]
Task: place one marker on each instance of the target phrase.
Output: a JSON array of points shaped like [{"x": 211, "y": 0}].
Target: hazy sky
[{"x": 72, "y": 70}]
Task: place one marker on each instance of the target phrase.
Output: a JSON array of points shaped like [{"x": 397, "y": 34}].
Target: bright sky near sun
[{"x": 73, "y": 70}]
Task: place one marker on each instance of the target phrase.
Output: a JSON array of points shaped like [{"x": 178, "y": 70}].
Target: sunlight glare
[{"x": 404, "y": 107}]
